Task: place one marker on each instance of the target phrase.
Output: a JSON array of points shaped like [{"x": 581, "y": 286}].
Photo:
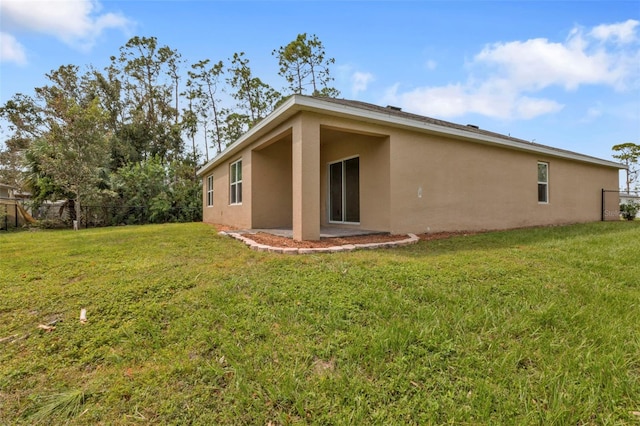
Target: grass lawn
[{"x": 537, "y": 326}]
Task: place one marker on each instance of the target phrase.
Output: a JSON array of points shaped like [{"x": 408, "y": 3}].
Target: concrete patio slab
[{"x": 325, "y": 232}]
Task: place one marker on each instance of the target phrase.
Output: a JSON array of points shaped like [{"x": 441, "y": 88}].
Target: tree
[
  {"x": 254, "y": 97},
  {"x": 629, "y": 154},
  {"x": 23, "y": 124},
  {"x": 235, "y": 126},
  {"x": 303, "y": 64},
  {"x": 156, "y": 191},
  {"x": 149, "y": 79},
  {"x": 73, "y": 148},
  {"x": 190, "y": 121},
  {"x": 209, "y": 107},
  {"x": 11, "y": 160},
  {"x": 109, "y": 92},
  {"x": 82, "y": 136}
]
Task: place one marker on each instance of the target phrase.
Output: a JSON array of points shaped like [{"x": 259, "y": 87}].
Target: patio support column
[{"x": 305, "y": 153}]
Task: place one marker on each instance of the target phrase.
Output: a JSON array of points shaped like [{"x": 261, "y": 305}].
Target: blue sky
[{"x": 560, "y": 73}]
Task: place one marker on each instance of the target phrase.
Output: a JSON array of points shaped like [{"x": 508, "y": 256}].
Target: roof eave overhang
[
  {"x": 279, "y": 115},
  {"x": 298, "y": 103}
]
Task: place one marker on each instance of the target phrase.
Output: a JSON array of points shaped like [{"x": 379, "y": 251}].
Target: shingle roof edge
[{"x": 391, "y": 116}]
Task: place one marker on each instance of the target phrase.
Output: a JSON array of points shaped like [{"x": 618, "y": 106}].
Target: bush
[
  {"x": 49, "y": 224},
  {"x": 629, "y": 210}
]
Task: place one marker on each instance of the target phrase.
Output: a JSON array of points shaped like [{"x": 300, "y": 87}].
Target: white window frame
[
  {"x": 210, "y": 191},
  {"x": 545, "y": 183},
  {"x": 235, "y": 182}
]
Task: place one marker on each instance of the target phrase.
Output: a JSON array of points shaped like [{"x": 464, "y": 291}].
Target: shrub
[
  {"x": 629, "y": 210},
  {"x": 49, "y": 224}
]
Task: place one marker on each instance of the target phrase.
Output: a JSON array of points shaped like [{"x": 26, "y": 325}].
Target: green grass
[{"x": 537, "y": 326}]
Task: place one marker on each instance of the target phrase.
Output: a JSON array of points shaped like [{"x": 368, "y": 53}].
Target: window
[
  {"x": 235, "y": 187},
  {"x": 210, "y": 191},
  {"x": 543, "y": 182}
]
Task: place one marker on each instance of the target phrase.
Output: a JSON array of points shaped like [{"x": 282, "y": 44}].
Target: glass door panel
[
  {"x": 335, "y": 192},
  {"x": 352, "y": 190},
  {"x": 344, "y": 191}
]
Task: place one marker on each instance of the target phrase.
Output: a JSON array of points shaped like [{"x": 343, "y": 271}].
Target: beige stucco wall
[
  {"x": 222, "y": 212},
  {"x": 305, "y": 173},
  {"x": 373, "y": 151},
  {"x": 272, "y": 188},
  {"x": 440, "y": 184},
  {"x": 409, "y": 181},
  {"x": 431, "y": 183}
]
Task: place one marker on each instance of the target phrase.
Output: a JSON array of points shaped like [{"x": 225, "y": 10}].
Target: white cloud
[
  {"x": 526, "y": 107},
  {"x": 360, "y": 81},
  {"x": 75, "y": 22},
  {"x": 431, "y": 65},
  {"x": 624, "y": 32},
  {"x": 505, "y": 77},
  {"x": 11, "y": 50},
  {"x": 539, "y": 63},
  {"x": 457, "y": 99}
]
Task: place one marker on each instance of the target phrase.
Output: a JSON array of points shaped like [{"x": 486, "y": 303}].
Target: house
[
  {"x": 9, "y": 216},
  {"x": 629, "y": 197},
  {"x": 12, "y": 213},
  {"x": 330, "y": 162},
  {"x": 6, "y": 191}
]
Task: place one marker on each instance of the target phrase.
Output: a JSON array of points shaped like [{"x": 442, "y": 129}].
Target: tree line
[{"x": 126, "y": 135}]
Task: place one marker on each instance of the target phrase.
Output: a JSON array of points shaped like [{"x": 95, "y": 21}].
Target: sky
[{"x": 559, "y": 73}]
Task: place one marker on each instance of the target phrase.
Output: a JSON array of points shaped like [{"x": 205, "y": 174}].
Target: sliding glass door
[{"x": 344, "y": 191}]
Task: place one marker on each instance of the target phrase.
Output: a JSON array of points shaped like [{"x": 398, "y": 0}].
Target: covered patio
[
  {"x": 344, "y": 181},
  {"x": 332, "y": 240}
]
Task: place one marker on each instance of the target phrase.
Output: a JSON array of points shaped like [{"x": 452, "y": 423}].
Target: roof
[{"x": 393, "y": 117}]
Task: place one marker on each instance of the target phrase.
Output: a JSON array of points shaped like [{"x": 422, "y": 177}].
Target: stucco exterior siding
[
  {"x": 272, "y": 190},
  {"x": 373, "y": 152},
  {"x": 579, "y": 187},
  {"x": 305, "y": 155},
  {"x": 443, "y": 184},
  {"x": 242, "y": 216},
  {"x": 414, "y": 174},
  {"x": 222, "y": 211}
]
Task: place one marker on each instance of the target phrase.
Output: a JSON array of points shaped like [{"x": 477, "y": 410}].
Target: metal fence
[
  {"x": 9, "y": 217},
  {"x": 109, "y": 215},
  {"x": 62, "y": 214}
]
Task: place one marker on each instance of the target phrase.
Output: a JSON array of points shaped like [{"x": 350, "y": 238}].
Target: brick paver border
[{"x": 411, "y": 239}]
